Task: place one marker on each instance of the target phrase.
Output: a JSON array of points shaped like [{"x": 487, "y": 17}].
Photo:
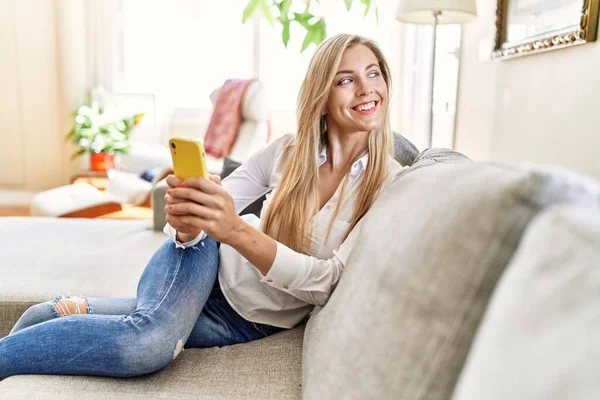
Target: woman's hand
[{"x": 200, "y": 204}]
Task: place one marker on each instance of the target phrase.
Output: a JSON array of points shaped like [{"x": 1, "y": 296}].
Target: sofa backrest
[
  {"x": 539, "y": 336},
  {"x": 402, "y": 318}
]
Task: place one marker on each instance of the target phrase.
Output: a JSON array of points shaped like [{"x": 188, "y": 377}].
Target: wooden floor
[{"x": 14, "y": 211}]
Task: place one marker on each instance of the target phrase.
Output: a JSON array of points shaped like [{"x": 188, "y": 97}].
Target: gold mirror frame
[{"x": 587, "y": 32}]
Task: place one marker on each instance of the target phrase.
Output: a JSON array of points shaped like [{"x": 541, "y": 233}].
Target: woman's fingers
[
  {"x": 177, "y": 223},
  {"x": 185, "y": 194},
  {"x": 216, "y": 179},
  {"x": 189, "y": 224},
  {"x": 203, "y": 185},
  {"x": 174, "y": 181},
  {"x": 191, "y": 209},
  {"x": 173, "y": 200}
]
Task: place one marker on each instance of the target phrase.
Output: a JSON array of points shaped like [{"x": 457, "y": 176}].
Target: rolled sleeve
[
  {"x": 172, "y": 233},
  {"x": 308, "y": 278},
  {"x": 286, "y": 269}
]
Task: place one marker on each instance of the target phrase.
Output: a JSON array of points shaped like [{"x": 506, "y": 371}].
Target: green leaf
[
  {"x": 303, "y": 19},
  {"x": 367, "y": 4},
  {"x": 71, "y": 134},
  {"x": 249, "y": 10},
  {"x": 320, "y": 31},
  {"x": 266, "y": 11},
  {"x": 308, "y": 39},
  {"x": 78, "y": 153},
  {"x": 285, "y": 35},
  {"x": 348, "y": 4},
  {"x": 307, "y": 6},
  {"x": 284, "y": 7},
  {"x": 116, "y": 146}
]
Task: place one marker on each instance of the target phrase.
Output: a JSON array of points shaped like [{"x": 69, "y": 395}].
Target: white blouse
[{"x": 295, "y": 282}]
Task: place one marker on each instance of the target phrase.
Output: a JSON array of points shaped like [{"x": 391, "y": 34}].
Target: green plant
[
  {"x": 281, "y": 12},
  {"x": 97, "y": 129}
]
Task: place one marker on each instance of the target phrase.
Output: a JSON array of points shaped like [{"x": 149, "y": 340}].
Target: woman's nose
[{"x": 364, "y": 89}]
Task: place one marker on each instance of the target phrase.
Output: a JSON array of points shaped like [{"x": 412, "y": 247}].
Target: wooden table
[
  {"x": 100, "y": 181},
  {"x": 95, "y": 178},
  {"x": 130, "y": 212}
]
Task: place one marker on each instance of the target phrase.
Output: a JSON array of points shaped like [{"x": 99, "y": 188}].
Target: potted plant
[{"x": 98, "y": 130}]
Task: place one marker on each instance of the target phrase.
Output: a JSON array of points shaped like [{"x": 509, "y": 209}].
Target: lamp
[{"x": 435, "y": 12}]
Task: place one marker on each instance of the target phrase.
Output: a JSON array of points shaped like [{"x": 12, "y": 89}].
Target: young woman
[{"x": 221, "y": 278}]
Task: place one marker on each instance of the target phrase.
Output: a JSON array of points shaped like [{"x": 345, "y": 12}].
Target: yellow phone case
[{"x": 189, "y": 159}]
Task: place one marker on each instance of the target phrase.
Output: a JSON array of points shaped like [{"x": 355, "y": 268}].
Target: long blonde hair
[{"x": 296, "y": 199}]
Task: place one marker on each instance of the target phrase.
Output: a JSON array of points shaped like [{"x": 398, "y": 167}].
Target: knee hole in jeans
[{"x": 63, "y": 306}]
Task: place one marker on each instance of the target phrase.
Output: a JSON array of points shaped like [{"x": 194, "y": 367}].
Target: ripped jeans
[{"x": 179, "y": 305}]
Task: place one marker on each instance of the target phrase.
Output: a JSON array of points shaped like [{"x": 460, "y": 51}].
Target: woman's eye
[
  {"x": 373, "y": 74},
  {"x": 344, "y": 81}
]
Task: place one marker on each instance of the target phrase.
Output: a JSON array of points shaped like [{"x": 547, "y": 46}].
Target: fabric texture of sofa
[
  {"x": 539, "y": 336},
  {"x": 403, "y": 318}
]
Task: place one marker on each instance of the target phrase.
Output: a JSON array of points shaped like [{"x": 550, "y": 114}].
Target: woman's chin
[{"x": 368, "y": 127}]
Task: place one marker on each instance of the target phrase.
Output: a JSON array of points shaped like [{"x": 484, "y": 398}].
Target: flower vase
[{"x": 102, "y": 161}]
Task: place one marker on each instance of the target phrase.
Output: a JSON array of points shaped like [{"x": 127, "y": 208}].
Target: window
[
  {"x": 283, "y": 69},
  {"x": 416, "y": 95},
  {"x": 179, "y": 51},
  {"x": 182, "y": 49}
]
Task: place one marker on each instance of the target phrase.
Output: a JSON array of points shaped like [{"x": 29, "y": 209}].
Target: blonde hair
[{"x": 296, "y": 199}]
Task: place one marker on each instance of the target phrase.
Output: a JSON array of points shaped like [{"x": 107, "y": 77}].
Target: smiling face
[{"x": 358, "y": 97}]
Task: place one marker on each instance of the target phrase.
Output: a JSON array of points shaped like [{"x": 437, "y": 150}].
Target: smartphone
[{"x": 189, "y": 159}]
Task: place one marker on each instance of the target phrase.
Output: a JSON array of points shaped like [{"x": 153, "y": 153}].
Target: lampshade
[{"x": 421, "y": 11}]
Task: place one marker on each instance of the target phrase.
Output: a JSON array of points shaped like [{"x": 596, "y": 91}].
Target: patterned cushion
[
  {"x": 226, "y": 118},
  {"x": 539, "y": 337},
  {"x": 401, "y": 321}
]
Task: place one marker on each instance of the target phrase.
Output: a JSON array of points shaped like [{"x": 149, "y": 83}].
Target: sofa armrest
[{"x": 159, "y": 190}]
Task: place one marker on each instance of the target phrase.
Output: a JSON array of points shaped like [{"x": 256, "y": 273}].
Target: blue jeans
[{"x": 179, "y": 304}]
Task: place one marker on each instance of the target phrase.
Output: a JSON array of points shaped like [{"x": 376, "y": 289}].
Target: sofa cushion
[
  {"x": 263, "y": 369},
  {"x": 539, "y": 337},
  {"x": 255, "y": 207},
  {"x": 44, "y": 257},
  {"x": 401, "y": 321},
  {"x": 405, "y": 152}
]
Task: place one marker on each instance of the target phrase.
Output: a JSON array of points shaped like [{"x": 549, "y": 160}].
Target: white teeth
[{"x": 364, "y": 107}]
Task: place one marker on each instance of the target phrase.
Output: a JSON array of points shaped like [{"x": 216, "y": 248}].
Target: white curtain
[
  {"x": 416, "y": 80},
  {"x": 103, "y": 44}
]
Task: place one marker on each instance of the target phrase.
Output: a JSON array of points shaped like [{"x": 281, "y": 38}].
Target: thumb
[
  {"x": 216, "y": 179},
  {"x": 174, "y": 181}
]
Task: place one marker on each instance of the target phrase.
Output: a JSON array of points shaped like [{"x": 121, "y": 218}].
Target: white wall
[
  {"x": 541, "y": 108},
  {"x": 31, "y": 150},
  {"x": 12, "y": 167},
  {"x": 36, "y": 91}
]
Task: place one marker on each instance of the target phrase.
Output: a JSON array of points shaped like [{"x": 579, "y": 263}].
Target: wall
[
  {"x": 540, "y": 108},
  {"x": 36, "y": 91},
  {"x": 30, "y": 147}
]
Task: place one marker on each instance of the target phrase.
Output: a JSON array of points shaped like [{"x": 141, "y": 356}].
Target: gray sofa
[{"x": 418, "y": 313}]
